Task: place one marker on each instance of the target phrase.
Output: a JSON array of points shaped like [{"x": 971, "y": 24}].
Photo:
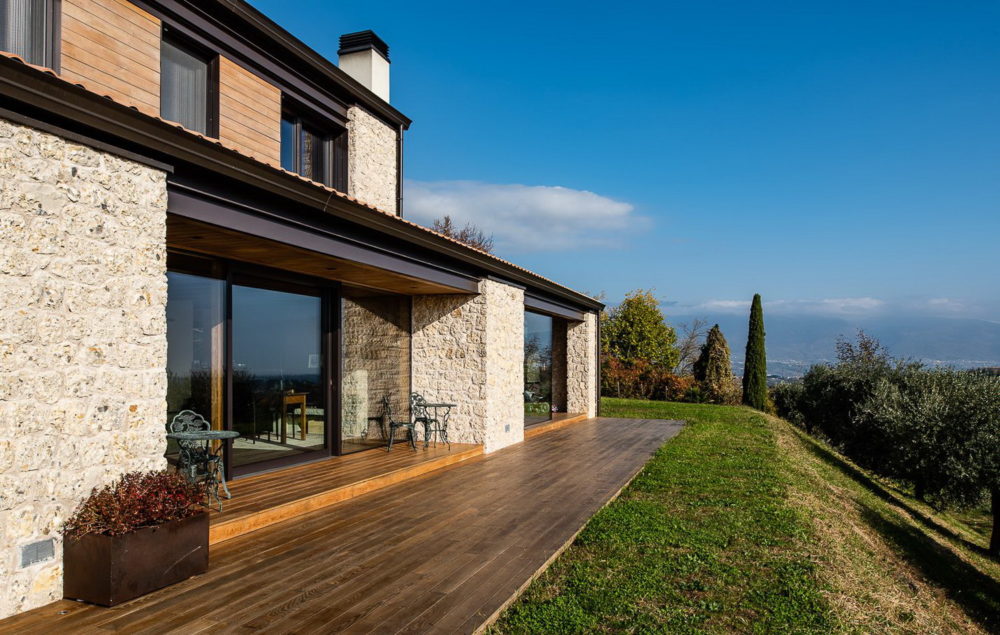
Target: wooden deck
[
  {"x": 558, "y": 420},
  {"x": 444, "y": 552},
  {"x": 266, "y": 499}
]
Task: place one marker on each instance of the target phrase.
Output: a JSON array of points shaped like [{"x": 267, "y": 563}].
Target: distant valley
[{"x": 794, "y": 343}]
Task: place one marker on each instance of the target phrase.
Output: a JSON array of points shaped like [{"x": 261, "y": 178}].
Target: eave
[{"x": 48, "y": 93}]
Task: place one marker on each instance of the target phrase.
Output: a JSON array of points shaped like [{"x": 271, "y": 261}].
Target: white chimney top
[{"x": 365, "y": 57}]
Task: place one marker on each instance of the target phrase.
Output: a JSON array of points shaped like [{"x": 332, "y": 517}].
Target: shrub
[
  {"x": 138, "y": 499},
  {"x": 786, "y": 398},
  {"x": 938, "y": 430},
  {"x": 641, "y": 380}
]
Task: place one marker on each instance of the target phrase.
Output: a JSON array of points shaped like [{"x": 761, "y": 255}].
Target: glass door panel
[
  {"x": 278, "y": 389},
  {"x": 195, "y": 348},
  {"x": 537, "y": 368}
]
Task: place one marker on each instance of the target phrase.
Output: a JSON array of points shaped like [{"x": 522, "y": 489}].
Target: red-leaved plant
[{"x": 138, "y": 499}]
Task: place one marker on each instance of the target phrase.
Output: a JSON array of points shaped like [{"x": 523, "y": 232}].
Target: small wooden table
[{"x": 291, "y": 399}]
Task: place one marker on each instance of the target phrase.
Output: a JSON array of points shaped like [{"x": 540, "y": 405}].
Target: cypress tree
[
  {"x": 755, "y": 364},
  {"x": 714, "y": 370}
]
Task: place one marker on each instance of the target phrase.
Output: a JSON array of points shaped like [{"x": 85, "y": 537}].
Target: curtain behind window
[
  {"x": 183, "y": 88},
  {"x": 23, "y": 30}
]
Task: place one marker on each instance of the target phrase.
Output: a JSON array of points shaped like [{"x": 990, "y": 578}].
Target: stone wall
[
  {"x": 82, "y": 339},
  {"x": 376, "y": 332},
  {"x": 469, "y": 350},
  {"x": 581, "y": 366},
  {"x": 371, "y": 162}
]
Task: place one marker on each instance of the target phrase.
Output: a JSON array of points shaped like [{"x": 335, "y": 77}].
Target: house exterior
[{"x": 197, "y": 211}]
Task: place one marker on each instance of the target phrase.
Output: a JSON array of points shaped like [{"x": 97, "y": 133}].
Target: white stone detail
[
  {"x": 371, "y": 161},
  {"x": 581, "y": 366},
  {"x": 83, "y": 346}
]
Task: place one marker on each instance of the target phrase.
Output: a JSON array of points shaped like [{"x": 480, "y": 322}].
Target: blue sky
[{"x": 837, "y": 157}]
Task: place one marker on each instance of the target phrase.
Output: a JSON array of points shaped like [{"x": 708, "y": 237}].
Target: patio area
[{"x": 442, "y": 552}]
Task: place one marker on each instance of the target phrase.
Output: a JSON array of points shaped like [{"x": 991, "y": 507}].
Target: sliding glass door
[
  {"x": 537, "y": 368},
  {"x": 279, "y": 396}
]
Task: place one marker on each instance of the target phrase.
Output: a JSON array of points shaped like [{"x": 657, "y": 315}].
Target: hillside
[{"x": 744, "y": 524}]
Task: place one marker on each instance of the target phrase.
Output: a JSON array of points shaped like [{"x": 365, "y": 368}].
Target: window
[
  {"x": 187, "y": 86},
  {"x": 27, "y": 29},
  {"x": 313, "y": 152}
]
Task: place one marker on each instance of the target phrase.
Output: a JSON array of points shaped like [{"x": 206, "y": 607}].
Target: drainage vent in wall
[{"x": 37, "y": 552}]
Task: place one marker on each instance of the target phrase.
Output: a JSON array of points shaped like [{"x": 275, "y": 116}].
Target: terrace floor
[{"x": 443, "y": 552}]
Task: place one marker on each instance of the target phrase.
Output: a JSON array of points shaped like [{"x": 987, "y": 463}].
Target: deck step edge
[{"x": 226, "y": 530}]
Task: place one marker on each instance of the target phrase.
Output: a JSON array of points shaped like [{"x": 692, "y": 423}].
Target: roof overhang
[{"x": 105, "y": 120}]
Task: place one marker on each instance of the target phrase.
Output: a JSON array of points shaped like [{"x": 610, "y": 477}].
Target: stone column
[
  {"x": 83, "y": 349},
  {"x": 581, "y": 366},
  {"x": 469, "y": 350}
]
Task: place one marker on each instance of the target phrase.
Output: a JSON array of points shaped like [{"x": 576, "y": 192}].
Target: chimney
[{"x": 365, "y": 57}]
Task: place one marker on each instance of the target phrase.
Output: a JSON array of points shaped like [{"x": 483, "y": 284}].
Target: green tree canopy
[
  {"x": 755, "y": 365},
  {"x": 635, "y": 330}
]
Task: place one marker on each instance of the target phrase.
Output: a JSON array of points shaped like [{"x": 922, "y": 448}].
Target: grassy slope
[
  {"x": 702, "y": 539},
  {"x": 744, "y": 524}
]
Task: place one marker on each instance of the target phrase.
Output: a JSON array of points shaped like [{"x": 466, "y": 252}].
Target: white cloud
[{"x": 525, "y": 217}]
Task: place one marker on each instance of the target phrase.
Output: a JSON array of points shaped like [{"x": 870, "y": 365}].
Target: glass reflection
[
  {"x": 279, "y": 405},
  {"x": 195, "y": 348},
  {"x": 537, "y": 368}
]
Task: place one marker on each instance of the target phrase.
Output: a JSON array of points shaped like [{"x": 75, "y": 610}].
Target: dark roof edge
[
  {"x": 304, "y": 52},
  {"x": 46, "y": 91}
]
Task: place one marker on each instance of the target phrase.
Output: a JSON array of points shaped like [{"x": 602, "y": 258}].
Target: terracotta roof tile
[{"x": 279, "y": 169}]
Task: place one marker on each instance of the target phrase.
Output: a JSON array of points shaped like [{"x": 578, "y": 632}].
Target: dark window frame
[
  {"x": 181, "y": 41},
  {"x": 334, "y": 140},
  {"x": 51, "y": 49}
]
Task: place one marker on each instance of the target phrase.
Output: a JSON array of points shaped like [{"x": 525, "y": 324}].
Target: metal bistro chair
[
  {"x": 432, "y": 424},
  {"x": 196, "y": 457},
  {"x": 394, "y": 425}
]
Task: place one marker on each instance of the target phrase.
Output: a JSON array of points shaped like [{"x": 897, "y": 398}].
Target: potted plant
[{"x": 138, "y": 534}]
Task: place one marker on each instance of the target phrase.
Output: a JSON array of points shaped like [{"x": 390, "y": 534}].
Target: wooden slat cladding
[
  {"x": 113, "y": 48},
  {"x": 249, "y": 113}
]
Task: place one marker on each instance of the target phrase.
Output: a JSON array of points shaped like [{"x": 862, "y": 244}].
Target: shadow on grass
[
  {"x": 977, "y": 593},
  {"x": 878, "y": 489}
]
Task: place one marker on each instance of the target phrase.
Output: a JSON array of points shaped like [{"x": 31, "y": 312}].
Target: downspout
[{"x": 399, "y": 172}]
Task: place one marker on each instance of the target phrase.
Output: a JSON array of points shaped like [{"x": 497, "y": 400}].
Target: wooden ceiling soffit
[{"x": 200, "y": 226}]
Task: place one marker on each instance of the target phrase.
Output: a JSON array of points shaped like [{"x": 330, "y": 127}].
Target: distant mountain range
[{"x": 794, "y": 343}]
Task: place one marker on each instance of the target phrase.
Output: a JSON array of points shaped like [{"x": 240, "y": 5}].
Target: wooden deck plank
[{"x": 443, "y": 552}]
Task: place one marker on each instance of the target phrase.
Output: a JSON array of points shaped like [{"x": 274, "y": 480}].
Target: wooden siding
[
  {"x": 249, "y": 113},
  {"x": 113, "y": 48}
]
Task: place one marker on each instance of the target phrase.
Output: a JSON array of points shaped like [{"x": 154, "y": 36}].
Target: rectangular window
[
  {"x": 187, "y": 91},
  {"x": 312, "y": 151},
  {"x": 27, "y": 30}
]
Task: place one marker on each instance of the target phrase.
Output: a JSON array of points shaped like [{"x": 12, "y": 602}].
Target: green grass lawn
[
  {"x": 744, "y": 524},
  {"x": 703, "y": 538}
]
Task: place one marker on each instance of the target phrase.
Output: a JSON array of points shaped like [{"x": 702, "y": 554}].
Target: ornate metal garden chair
[
  {"x": 394, "y": 424},
  {"x": 197, "y": 461}
]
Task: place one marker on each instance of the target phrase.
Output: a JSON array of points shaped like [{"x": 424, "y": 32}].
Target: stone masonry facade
[
  {"x": 371, "y": 164},
  {"x": 82, "y": 339},
  {"x": 581, "y": 366},
  {"x": 469, "y": 350}
]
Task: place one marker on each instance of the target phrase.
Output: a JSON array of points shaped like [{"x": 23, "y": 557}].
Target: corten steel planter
[{"x": 109, "y": 570}]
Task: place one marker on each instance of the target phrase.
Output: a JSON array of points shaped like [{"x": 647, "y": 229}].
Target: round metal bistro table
[
  {"x": 441, "y": 429},
  {"x": 200, "y": 456}
]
